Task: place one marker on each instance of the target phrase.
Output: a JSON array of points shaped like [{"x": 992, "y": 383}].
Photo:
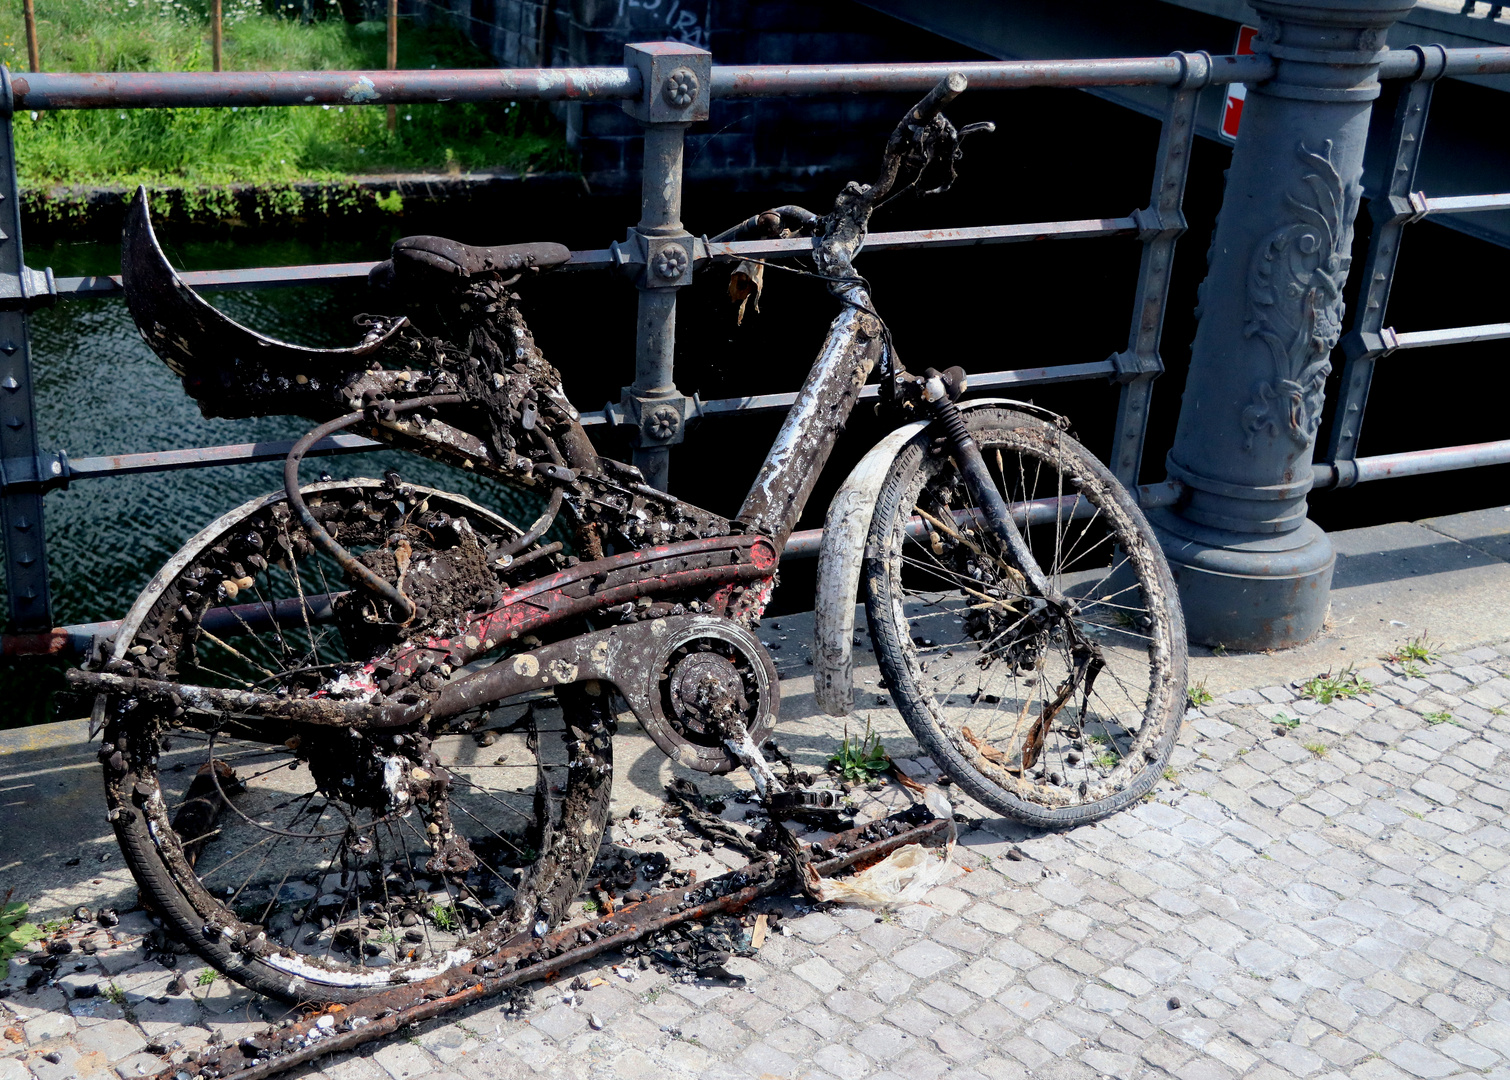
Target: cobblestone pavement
[{"x": 1317, "y": 891}]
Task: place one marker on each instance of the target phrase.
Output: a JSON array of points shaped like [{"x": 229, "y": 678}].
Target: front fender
[{"x": 840, "y": 557}]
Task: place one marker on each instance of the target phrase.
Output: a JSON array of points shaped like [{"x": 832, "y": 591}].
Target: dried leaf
[
  {"x": 745, "y": 284},
  {"x": 906, "y": 781},
  {"x": 987, "y": 751}
]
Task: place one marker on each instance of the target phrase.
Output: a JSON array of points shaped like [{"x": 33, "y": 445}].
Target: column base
[{"x": 1248, "y": 593}]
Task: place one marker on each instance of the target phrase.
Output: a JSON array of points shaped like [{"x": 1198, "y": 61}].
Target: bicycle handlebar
[{"x": 950, "y": 87}]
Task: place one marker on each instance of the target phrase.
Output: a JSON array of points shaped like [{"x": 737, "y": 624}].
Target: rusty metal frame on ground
[{"x": 290, "y": 1044}]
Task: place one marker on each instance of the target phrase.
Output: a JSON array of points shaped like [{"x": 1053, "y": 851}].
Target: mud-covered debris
[{"x": 697, "y": 950}]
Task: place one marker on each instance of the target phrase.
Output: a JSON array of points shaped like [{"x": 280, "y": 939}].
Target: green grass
[
  {"x": 209, "y": 147},
  {"x": 860, "y": 760},
  {"x": 15, "y": 932},
  {"x": 1328, "y": 688},
  {"x": 1435, "y": 718},
  {"x": 444, "y": 916},
  {"x": 1317, "y": 748},
  {"x": 1418, "y": 650}
]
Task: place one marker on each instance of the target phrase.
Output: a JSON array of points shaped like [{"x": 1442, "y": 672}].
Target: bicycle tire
[
  {"x": 366, "y": 943},
  {"x": 1091, "y": 760}
]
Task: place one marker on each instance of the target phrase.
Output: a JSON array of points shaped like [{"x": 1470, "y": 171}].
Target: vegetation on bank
[{"x": 272, "y": 148}]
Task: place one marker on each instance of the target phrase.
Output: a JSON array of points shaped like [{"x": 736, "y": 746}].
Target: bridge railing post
[
  {"x": 1253, "y": 571},
  {"x": 1160, "y": 225},
  {"x": 25, "y": 473},
  {"x": 676, "y": 80}
]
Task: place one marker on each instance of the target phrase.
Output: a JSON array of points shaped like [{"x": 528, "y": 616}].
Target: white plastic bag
[{"x": 903, "y": 877}]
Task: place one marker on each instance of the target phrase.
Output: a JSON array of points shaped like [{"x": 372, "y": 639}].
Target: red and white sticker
[{"x": 1237, "y": 93}]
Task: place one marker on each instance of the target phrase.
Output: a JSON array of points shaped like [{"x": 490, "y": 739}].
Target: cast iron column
[
  {"x": 1253, "y": 572},
  {"x": 675, "y": 83}
]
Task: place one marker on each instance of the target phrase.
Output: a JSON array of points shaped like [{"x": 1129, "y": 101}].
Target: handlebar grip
[{"x": 949, "y": 87}]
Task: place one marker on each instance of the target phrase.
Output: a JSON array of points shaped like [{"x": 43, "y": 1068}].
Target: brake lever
[{"x": 950, "y": 147}]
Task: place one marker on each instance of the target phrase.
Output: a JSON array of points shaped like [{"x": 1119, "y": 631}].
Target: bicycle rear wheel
[
  {"x": 1011, "y": 700},
  {"x": 320, "y": 863}
]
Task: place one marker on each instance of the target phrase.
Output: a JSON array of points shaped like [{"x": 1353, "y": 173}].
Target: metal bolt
[
  {"x": 662, "y": 422},
  {"x": 681, "y": 88}
]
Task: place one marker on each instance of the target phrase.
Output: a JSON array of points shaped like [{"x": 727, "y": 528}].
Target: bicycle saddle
[{"x": 437, "y": 262}]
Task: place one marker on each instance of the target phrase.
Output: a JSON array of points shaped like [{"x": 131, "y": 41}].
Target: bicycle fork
[{"x": 1087, "y": 658}]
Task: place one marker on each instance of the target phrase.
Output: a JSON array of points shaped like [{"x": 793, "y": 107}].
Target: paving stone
[
  {"x": 402, "y": 1060},
  {"x": 1418, "y": 1060},
  {"x": 924, "y": 959},
  {"x": 115, "y": 1039}
]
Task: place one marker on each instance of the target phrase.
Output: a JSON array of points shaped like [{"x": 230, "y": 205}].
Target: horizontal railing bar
[
  {"x": 991, "y": 380},
  {"x": 244, "y": 89},
  {"x": 800, "y": 545},
  {"x": 147, "y": 90},
  {"x": 779, "y": 81},
  {"x": 1456, "y": 335},
  {"x": 269, "y": 277},
  {"x": 96, "y": 468},
  {"x": 1406, "y": 63},
  {"x": 1419, "y": 462},
  {"x": 1466, "y": 204},
  {"x": 101, "y": 467},
  {"x": 98, "y": 90}
]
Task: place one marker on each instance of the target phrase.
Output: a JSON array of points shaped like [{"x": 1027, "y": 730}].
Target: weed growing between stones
[{"x": 1327, "y": 688}]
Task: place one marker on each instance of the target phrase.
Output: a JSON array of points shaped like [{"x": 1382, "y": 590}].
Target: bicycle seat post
[{"x": 674, "y": 93}]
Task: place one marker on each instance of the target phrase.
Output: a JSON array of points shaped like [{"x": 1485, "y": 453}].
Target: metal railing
[
  {"x": 1369, "y": 340},
  {"x": 26, "y": 472}
]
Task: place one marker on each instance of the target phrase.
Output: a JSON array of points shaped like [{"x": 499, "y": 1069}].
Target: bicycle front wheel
[{"x": 1051, "y": 717}]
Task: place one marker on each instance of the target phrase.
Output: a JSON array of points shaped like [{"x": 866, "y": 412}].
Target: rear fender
[{"x": 842, "y": 553}]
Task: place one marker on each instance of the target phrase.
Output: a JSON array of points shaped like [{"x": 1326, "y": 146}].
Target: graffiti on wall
[{"x": 674, "y": 19}]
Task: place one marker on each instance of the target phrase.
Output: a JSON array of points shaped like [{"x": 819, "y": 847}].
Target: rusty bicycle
[{"x": 358, "y": 732}]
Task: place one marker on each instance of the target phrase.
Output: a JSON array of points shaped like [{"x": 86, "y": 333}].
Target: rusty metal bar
[
  {"x": 799, "y": 79},
  {"x": 103, "y": 467},
  {"x": 272, "y": 277},
  {"x": 185, "y": 90},
  {"x": 1410, "y": 64},
  {"x": 1457, "y": 335},
  {"x": 1464, "y": 204},
  {"x": 106, "y": 466},
  {"x": 1364, "y": 343},
  {"x": 282, "y": 1048},
  {"x": 57, "y": 90},
  {"x": 1412, "y": 463},
  {"x": 990, "y": 380},
  {"x": 1159, "y": 227}
]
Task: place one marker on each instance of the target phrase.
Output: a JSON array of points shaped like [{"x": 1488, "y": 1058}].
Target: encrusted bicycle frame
[
  {"x": 659, "y": 600},
  {"x": 476, "y": 392}
]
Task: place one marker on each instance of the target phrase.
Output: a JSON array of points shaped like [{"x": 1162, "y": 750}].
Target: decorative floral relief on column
[{"x": 1295, "y": 300}]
